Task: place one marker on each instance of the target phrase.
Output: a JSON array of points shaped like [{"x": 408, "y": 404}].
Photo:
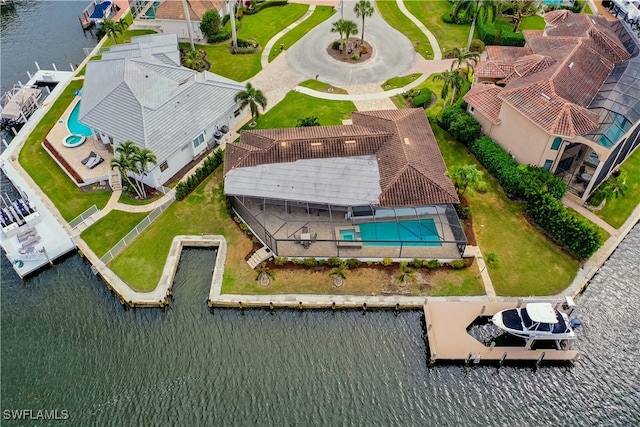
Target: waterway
[{"x": 67, "y": 343}]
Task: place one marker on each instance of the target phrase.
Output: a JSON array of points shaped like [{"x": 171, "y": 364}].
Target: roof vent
[
  {"x": 571, "y": 65},
  {"x": 316, "y": 143},
  {"x": 545, "y": 96},
  {"x": 407, "y": 141},
  {"x": 350, "y": 141},
  {"x": 283, "y": 144}
]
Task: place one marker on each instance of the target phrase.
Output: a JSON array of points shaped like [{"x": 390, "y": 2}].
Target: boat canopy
[{"x": 541, "y": 312}]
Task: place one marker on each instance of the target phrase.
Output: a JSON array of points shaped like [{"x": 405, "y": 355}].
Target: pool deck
[
  {"x": 73, "y": 156},
  {"x": 447, "y": 321}
]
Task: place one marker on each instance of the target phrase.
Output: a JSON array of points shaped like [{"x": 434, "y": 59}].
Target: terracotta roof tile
[
  {"x": 506, "y": 53},
  {"x": 412, "y": 171},
  {"x": 492, "y": 70},
  {"x": 173, "y": 9},
  {"x": 484, "y": 98}
]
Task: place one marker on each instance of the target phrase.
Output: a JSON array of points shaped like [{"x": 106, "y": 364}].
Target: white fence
[
  {"x": 83, "y": 216},
  {"x": 133, "y": 234}
]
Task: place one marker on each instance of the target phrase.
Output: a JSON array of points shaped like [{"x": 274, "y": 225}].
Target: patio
[{"x": 70, "y": 158}]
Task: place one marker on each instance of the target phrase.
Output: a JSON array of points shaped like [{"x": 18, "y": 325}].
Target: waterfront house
[
  {"x": 568, "y": 101},
  {"x": 139, "y": 92},
  {"x": 372, "y": 189}
]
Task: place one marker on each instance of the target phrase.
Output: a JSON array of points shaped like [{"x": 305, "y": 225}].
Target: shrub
[
  {"x": 465, "y": 129},
  {"x": 210, "y": 24},
  {"x": 463, "y": 212},
  {"x": 488, "y": 33},
  {"x": 423, "y": 98},
  {"x": 243, "y": 50},
  {"x": 298, "y": 261},
  {"x": 220, "y": 36},
  {"x": 492, "y": 260},
  {"x": 310, "y": 262},
  {"x": 447, "y": 19},
  {"x": 476, "y": 45},
  {"x": 225, "y": 19},
  {"x": 209, "y": 165},
  {"x": 280, "y": 260},
  {"x": 364, "y": 50},
  {"x": 353, "y": 263},
  {"x": 432, "y": 264},
  {"x": 575, "y": 233},
  {"x": 355, "y": 56},
  {"x": 263, "y": 5},
  {"x": 453, "y": 53},
  {"x": 387, "y": 262},
  {"x": 458, "y": 264},
  {"x": 334, "y": 262},
  {"x": 416, "y": 263},
  {"x": 336, "y": 45}
]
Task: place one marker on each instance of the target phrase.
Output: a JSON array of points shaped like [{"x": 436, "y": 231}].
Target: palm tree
[
  {"x": 253, "y": 98},
  {"x": 112, "y": 29},
  {"x": 264, "y": 274},
  {"x": 365, "y": 9},
  {"x": 132, "y": 159},
  {"x": 452, "y": 81},
  {"x": 142, "y": 159},
  {"x": 123, "y": 23},
  {"x": 350, "y": 28},
  {"x": 338, "y": 27},
  {"x": 345, "y": 28},
  {"x": 405, "y": 274},
  {"x": 464, "y": 177},
  {"x": 123, "y": 164},
  {"x": 464, "y": 59},
  {"x": 308, "y": 122},
  {"x": 338, "y": 274}
]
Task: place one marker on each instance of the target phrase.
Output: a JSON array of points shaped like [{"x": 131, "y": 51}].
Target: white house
[{"x": 139, "y": 92}]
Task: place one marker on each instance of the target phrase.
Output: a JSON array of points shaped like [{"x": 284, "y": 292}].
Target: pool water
[
  {"x": 347, "y": 235},
  {"x": 74, "y": 125},
  {"x": 410, "y": 232},
  {"x": 74, "y": 140}
]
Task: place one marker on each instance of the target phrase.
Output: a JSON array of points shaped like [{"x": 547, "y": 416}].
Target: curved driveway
[{"x": 393, "y": 54}]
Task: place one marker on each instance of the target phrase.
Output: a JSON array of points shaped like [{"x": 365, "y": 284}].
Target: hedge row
[
  {"x": 209, "y": 165},
  {"x": 542, "y": 190},
  {"x": 260, "y": 6},
  {"x": 489, "y": 35},
  {"x": 573, "y": 232},
  {"x": 220, "y": 36}
]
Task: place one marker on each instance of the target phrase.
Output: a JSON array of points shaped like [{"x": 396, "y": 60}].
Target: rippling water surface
[{"x": 67, "y": 343}]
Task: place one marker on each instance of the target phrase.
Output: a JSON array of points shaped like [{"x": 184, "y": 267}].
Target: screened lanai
[{"x": 301, "y": 229}]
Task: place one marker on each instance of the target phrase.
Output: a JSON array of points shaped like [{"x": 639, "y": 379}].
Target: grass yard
[
  {"x": 430, "y": 13},
  {"x": 321, "y": 14},
  {"x": 260, "y": 27},
  {"x": 390, "y": 12},
  {"x": 532, "y": 23},
  {"x": 397, "y": 82},
  {"x": 136, "y": 202},
  {"x": 436, "y": 87},
  {"x": 110, "y": 229},
  {"x": 617, "y": 210},
  {"x": 125, "y": 37},
  {"x": 296, "y": 106},
  {"x": 54, "y": 182},
  {"x": 529, "y": 264},
  {"x": 322, "y": 87}
]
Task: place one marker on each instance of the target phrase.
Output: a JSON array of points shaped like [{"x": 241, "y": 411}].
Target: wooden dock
[{"x": 447, "y": 322}]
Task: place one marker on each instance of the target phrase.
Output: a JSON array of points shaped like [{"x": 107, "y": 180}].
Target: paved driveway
[{"x": 393, "y": 53}]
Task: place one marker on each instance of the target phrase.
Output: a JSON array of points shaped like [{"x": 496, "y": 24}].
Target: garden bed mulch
[{"x": 353, "y": 46}]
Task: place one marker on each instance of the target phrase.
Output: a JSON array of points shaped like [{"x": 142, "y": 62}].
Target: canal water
[{"x": 68, "y": 344}]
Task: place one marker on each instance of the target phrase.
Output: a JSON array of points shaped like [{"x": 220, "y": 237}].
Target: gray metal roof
[
  {"x": 157, "y": 44},
  {"x": 158, "y": 106},
  {"x": 345, "y": 181}
]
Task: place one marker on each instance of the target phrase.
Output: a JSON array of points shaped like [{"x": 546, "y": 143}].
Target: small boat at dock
[
  {"x": 537, "y": 321},
  {"x": 18, "y": 104}
]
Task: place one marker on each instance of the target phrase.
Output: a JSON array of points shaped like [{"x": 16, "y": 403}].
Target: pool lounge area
[{"x": 70, "y": 157}]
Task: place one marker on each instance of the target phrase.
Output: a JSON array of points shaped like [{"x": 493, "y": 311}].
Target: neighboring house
[
  {"x": 139, "y": 92},
  {"x": 370, "y": 190},
  {"x": 171, "y": 18},
  {"x": 568, "y": 101}
]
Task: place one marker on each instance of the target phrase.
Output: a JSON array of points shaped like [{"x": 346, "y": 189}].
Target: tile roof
[
  {"x": 506, "y": 53},
  {"x": 558, "y": 79},
  {"x": 412, "y": 171},
  {"x": 493, "y": 70},
  {"x": 173, "y": 9},
  {"x": 484, "y": 97}
]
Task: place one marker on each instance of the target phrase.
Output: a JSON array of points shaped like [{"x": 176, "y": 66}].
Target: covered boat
[{"x": 539, "y": 321}]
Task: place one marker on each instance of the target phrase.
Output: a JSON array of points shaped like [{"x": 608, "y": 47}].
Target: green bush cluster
[
  {"x": 539, "y": 188},
  {"x": 476, "y": 45},
  {"x": 423, "y": 98},
  {"x": 220, "y": 36},
  {"x": 263, "y": 5},
  {"x": 489, "y": 34},
  {"x": 353, "y": 263},
  {"x": 458, "y": 264},
  {"x": 431, "y": 264},
  {"x": 460, "y": 124},
  {"x": 575, "y": 233},
  {"x": 209, "y": 165}
]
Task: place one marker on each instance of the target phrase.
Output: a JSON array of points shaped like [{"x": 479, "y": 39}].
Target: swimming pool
[
  {"x": 413, "y": 232},
  {"x": 348, "y": 234},
  {"x": 74, "y": 126}
]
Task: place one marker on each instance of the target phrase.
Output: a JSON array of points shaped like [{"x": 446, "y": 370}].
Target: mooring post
[
  {"x": 468, "y": 359},
  {"x": 364, "y": 308},
  {"x": 54, "y": 67},
  {"x": 429, "y": 327},
  {"x": 300, "y": 305},
  {"x": 483, "y": 309},
  {"x": 504, "y": 356},
  {"x": 539, "y": 361},
  {"x": 493, "y": 344}
]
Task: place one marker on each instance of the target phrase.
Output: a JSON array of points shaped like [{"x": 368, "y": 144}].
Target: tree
[
  {"x": 141, "y": 160},
  {"x": 464, "y": 177},
  {"x": 452, "y": 81},
  {"x": 363, "y": 9},
  {"x": 123, "y": 23},
  {"x": 264, "y": 274},
  {"x": 345, "y": 29},
  {"x": 110, "y": 28},
  {"x": 134, "y": 160},
  {"x": 464, "y": 59},
  {"x": 210, "y": 24},
  {"x": 405, "y": 274},
  {"x": 253, "y": 98},
  {"x": 308, "y": 122},
  {"x": 338, "y": 274},
  {"x": 521, "y": 9}
]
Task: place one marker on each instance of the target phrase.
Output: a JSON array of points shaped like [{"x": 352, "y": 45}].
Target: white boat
[
  {"x": 18, "y": 104},
  {"x": 538, "y": 321}
]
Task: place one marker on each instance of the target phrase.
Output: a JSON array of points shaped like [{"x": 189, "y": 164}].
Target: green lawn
[
  {"x": 260, "y": 27},
  {"x": 322, "y": 86},
  {"x": 430, "y": 13},
  {"x": 321, "y": 14},
  {"x": 617, "y": 210},
  {"x": 390, "y": 12},
  {"x": 296, "y": 106},
  {"x": 529, "y": 264},
  {"x": 110, "y": 229},
  {"x": 397, "y": 82},
  {"x": 532, "y": 23},
  {"x": 136, "y": 202},
  {"x": 436, "y": 87},
  {"x": 125, "y": 37},
  {"x": 54, "y": 182}
]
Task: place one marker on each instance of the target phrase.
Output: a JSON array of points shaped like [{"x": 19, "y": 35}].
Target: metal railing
[
  {"x": 133, "y": 234},
  {"x": 83, "y": 216}
]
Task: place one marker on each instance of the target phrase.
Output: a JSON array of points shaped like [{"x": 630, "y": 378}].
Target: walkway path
[
  {"x": 264, "y": 59},
  {"x": 437, "y": 52},
  {"x": 573, "y": 204}
]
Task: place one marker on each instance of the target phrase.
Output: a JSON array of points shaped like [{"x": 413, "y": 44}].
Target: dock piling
[
  {"x": 333, "y": 307},
  {"x": 484, "y": 307},
  {"x": 271, "y": 306},
  {"x": 468, "y": 359},
  {"x": 504, "y": 356},
  {"x": 300, "y": 305},
  {"x": 539, "y": 361},
  {"x": 364, "y": 308}
]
